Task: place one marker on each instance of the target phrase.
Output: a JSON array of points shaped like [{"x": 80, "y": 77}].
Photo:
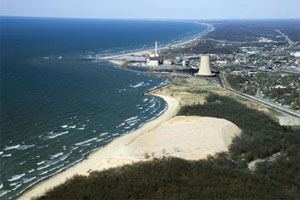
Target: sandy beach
[{"x": 102, "y": 157}]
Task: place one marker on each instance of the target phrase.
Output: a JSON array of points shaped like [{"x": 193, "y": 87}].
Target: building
[
  {"x": 204, "y": 67},
  {"x": 154, "y": 59}
]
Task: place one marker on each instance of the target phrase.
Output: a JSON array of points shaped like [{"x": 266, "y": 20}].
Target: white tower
[
  {"x": 204, "y": 67},
  {"x": 156, "y": 53}
]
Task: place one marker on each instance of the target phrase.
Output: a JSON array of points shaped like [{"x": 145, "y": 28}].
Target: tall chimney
[{"x": 155, "y": 48}]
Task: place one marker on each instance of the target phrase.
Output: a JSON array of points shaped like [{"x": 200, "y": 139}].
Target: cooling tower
[{"x": 204, "y": 67}]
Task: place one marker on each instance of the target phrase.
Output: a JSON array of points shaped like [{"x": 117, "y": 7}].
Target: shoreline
[
  {"x": 97, "y": 160},
  {"x": 147, "y": 52},
  {"x": 92, "y": 159}
]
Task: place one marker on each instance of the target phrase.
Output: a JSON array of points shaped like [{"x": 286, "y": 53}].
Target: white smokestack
[
  {"x": 155, "y": 48},
  {"x": 204, "y": 67}
]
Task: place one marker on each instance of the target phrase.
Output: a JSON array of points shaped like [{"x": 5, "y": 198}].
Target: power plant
[
  {"x": 154, "y": 59},
  {"x": 204, "y": 67}
]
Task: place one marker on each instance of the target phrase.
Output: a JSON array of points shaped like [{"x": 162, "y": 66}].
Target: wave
[
  {"x": 45, "y": 172},
  {"x": 2, "y": 193},
  {"x": 1, "y": 186},
  {"x": 68, "y": 126},
  {"x": 137, "y": 85},
  {"x": 39, "y": 163},
  {"x": 131, "y": 118},
  {"x": 26, "y": 180},
  {"x": 6, "y": 155},
  {"x": 101, "y": 139},
  {"x": 85, "y": 142},
  {"x": 103, "y": 134},
  {"x": 18, "y": 147},
  {"x": 56, "y": 155},
  {"x": 55, "y": 135},
  {"x": 146, "y": 99},
  {"x": 43, "y": 167},
  {"x": 16, "y": 177}
]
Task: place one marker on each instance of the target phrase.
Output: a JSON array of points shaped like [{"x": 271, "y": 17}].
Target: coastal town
[{"x": 265, "y": 66}]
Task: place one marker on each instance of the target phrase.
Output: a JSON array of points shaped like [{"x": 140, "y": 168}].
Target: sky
[{"x": 153, "y": 9}]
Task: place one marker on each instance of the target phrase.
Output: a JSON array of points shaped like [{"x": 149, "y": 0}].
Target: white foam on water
[
  {"x": 12, "y": 147},
  {"x": 16, "y": 177},
  {"x": 116, "y": 134},
  {"x": 13, "y": 184},
  {"x": 82, "y": 128},
  {"x": 64, "y": 157},
  {"x": 26, "y": 180},
  {"x": 131, "y": 118},
  {"x": 56, "y": 155},
  {"x": 55, "y": 135},
  {"x": 17, "y": 147},
  {"x": 101, "y": 139},
  {"x": 103, "y": 134},
  {"x": 152, "y": 105},
  {"x": 17, "y": 186},
  {"x": 137, "y": 85},
  {"x": 32, "y": 170},
  {"x": 4, "y": 192},
  {"x": 64, "y": 126},
  {"x": 45, "y": 172},
  {"x": 39, "y": 163},
  {"x": 22, "y": 163},
  {"x": 1, "y": 152},
  {"x": 146, "y": 99},
  {"x": 43, "y": 167},
  {"x": 121, "y": 125},
  {"x": 85, "y": 142},
  {"x": 1, "y": 186},
  {"x": 6, "y": 155}
]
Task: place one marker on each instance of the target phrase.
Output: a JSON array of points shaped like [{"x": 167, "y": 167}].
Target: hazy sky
[{"x": 153, "y": 9}]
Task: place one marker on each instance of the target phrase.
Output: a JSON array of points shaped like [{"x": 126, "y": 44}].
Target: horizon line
[{"x": 152, "y": 19}]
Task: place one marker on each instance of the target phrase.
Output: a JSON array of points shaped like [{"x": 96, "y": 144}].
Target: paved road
[
  {"x": 291, "y": 43},
  {"x": 257, "y": 100}
]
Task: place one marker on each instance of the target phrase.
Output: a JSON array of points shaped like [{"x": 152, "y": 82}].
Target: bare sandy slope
[{"x": 189, "y": 138}]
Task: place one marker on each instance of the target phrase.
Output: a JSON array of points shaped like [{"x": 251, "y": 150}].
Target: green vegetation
[
  {"x": 279, "y": 88},
  {"x": 224, "y": 176}
]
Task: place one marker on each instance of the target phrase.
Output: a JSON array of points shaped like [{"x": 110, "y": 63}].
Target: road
[
  {"x": 257, "y": 100},
  {"x": 291, "y": 43}
]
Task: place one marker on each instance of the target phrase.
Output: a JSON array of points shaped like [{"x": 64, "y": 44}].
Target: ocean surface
[{"x": 57, "y": 107}]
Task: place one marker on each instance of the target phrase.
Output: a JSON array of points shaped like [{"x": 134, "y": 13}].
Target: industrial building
[
  {"x": 154, "y": 59},
  {"x": 204, "y": 67}
]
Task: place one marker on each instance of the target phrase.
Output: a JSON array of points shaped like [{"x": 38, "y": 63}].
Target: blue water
[{"x": 55, "y": 107}]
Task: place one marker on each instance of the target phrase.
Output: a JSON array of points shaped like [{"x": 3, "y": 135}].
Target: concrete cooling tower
[{"x": 204, "y": 67}]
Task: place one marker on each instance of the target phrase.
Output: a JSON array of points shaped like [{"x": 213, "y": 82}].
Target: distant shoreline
[{"x": 147, "y": 52}]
